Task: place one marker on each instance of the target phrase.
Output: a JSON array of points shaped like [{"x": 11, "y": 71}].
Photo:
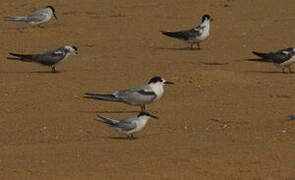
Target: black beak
[
  {"x": 154, "y": 116},
  {"x": 55, "y": 16},
  {"x": 211, "y": 19},
  {"x": 168, "y": 82}
]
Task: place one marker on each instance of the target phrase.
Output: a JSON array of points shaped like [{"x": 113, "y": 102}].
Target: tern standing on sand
[
  {"x": 50, "y": 58},
  {"x": 195, "y": 35},
  {"x": 128, "y": 125},
  {"x": 139, "y": 96},
  {"x": 283, "y": 58},
  {"x": 36, "y": 18}
]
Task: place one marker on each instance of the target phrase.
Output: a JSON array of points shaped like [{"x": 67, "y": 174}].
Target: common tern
[
  {"x": 283, "y": 58},
  {"x": 50, "y": 58},
  {"x": 138, "y": 96},
  {"x": 194, "y": 35},
  {"x": 36, "y": 18},
  {"x": 128, "y": 125}
]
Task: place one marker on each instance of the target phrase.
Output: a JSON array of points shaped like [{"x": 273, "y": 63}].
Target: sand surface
[{"x": 225, "y": 118}]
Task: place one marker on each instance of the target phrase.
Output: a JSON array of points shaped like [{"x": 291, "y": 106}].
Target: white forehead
[{"x": 68, "y": 47}]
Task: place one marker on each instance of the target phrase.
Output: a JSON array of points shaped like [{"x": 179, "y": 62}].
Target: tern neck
[
  {"x": 143, "y": 120},
  {"x": 158, "y": 89},
  {"x": 206, "y": 26}
]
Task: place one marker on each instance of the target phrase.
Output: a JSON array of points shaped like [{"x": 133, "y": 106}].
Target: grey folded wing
[
  {"x": 184, "y": 35},
  {"x": 38, "y": 16},
  {"x": 198, "y": 31},
  {"x": 137, "y": 96},
  {"x": 50, "y": 58},
  {"x": 281, "y": 55},
  {"x": 126, "y": 124},
  {"x": 191, "y": 33}
]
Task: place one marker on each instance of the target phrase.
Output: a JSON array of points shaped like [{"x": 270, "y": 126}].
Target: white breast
[
  {"x": 66, "y": 56},
  {"x": 205, "y": 33},
  {"x": 158, "y": 89},
  {"x": 288, "y": 62},
  {"x": 140, "y": 124}
]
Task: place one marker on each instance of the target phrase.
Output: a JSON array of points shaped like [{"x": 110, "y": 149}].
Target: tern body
[
  {"x": 138, "y": 96},
  {"x": 194, "y": 35},
  {"x": 50, "y": 58},
  {"x": 283, "y": 58},
  {"x": 35, "y": 18},
  {"x": 129, "y": 125}
]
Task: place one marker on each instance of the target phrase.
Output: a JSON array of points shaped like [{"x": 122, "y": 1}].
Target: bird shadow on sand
[
  {"x": 177, "y": 49},
  {"x": 45, "y": 72},
  {"x": 122, "y": 138},
  {"x": 268, "y": 72},
  {"x": 31, "y": 72},
  {"x": 259, "y": 60},
  {"x": 247, "y": 60},
  {"x": 19, "y": 28},
  {"x": 214, "y": 63},
  {"x": 111, "y": 112},
  {"x": 255, "y": 60}
]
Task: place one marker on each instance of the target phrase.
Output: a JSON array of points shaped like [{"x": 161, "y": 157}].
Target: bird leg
[
  {"x": 283, "y": 70},
  {"x": 198, "y": 45},
  {"x": 142, "y": 107},
  {"x": 290, "y": 70},
  {"x": 192, "y": 45},
  {"x": 39, "y": 25},
  {"x": 130, "y": 137},
  {"x": 53, "y": 69}
]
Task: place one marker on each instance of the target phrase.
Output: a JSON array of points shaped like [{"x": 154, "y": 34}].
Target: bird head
[
  {"x": 159, "y": 80},
  {"x": 53, "y": 11},
  {"x": 71, "y": 49},
  {"x": 206, "y": 17},
  {"x": 147, "y": 114}
]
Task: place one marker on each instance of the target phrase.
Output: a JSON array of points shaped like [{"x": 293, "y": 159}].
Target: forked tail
[
  {"x": 22, "y": 57},
  {"x": 106, "y": 120},
  {"x": 105, "y": 97},
  {"x": 19, "y": 18},
  {"x": 172, "y": 34},
  {"x": 261, "y": 55}
]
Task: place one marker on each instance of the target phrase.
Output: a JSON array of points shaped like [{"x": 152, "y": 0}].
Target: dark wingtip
[
  {"x": 14, "y": 54},
  {"x": 164, "y": 32},
  {"x": 261, "y": 55},
  {"x": 87, "y": 94},
  {"x": 254, "y": 52},
  {"x": 12, "y": 58}
]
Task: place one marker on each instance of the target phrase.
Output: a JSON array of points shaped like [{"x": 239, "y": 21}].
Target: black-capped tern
[
  {"x": 128, "y": 125},
  {"x": 139, "y": 96},
  {"x": 50, "y": 58},
  {"x": 195, "y": 35}
]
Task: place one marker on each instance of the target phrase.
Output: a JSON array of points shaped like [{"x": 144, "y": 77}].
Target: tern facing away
[
  {"x": 138, "y": 96},
  {"x": 283, "y": 58},
  {"x": 195, "y": 35},
  {"x": 128, "y": 125},
  {"x": 50, "y": 58},
  {"x": 36, "y": 18}
]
